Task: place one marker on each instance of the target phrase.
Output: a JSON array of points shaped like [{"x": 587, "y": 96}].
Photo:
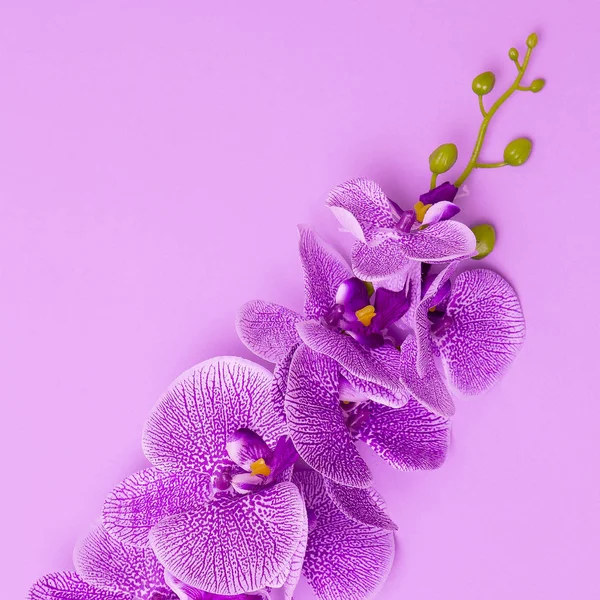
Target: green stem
[
  {"x": 472, "y": 164},
  {"x": 482, "y": 107},
  {"x": 433, "y": 181},
  {"x": 490, "y": 165}
]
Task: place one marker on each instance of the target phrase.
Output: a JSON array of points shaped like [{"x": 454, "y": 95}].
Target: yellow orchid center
[
  {"x": 365, "y": 315},
  {"x": 260, "y": 467},
  {"x": 420, "y": 210}
]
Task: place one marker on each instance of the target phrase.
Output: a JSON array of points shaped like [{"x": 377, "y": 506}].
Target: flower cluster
[{"x": 256, "y": 477}]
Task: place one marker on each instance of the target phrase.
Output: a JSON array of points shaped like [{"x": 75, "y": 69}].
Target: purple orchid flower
[
  {"x": 106, "y": 569},
  {"x": 339, "y": 352},
  {"x": 475, "y": 325},
  {"x": 392, "y": 242},
  {"x": 217, "y": 506},
  {"x": 345, "y": 557}
]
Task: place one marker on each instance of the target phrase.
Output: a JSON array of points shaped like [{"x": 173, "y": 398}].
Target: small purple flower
[
  {"x": 106, "y": 569},
  {"x": 345, "y": 557},
  {"x": 342, "y": 344},
  {"x": 217, "y": 434},
  {"x": 475, "y": 325},
  {"x": 391, "y": 240}
]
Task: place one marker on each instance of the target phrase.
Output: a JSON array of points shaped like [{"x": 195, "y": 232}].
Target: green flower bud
[
  {"x": 532, "y": 40},
  {"x": 483, "y": 84},
  {"x": 486, "y": 240},
  {"x": 537, "y": 85},
  {"x": 443, "y": 158},
  {"x": 518, "y": 152},
  {"x": 513, "y": 54}
]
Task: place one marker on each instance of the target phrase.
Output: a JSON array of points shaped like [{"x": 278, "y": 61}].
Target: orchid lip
[{"x": 440, "y": 326}]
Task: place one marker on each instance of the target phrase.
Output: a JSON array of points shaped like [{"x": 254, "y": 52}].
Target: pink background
[{"x": 154, "y": 160}]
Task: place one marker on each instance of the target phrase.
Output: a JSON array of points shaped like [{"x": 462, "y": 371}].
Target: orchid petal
[
  {"x": 408, "y": 438},
  {"x": 442, "y": 211},
  {"x": 230, "y": 394},
  {"x": 244, "y": 483},
  {"x": 146, "y": 497},
  {"x": 315, "y": 420},
  {"x": 105, "y": 563},
  {"x": 390, "y": 307},
  {"x": 267, "y": 329},
  {"x": 364, "y": 506},
  {"x": 487, "y": 331},
  {"x": 344, "y": 558},
  {"x": 438, "y": 243},
  {"x": 293, "y": 577},
  {"x": 188, "y": 592},
  {"x": 429, "y": 389},
  {"x": 67, "y": 585},
  {"x": 245, "y": 447},
  {"x": 233, "y": 545},
  {"x": 361, "y": 390},
  {"x": 445, "y": 192},
  {"x": 324, "y": 271},
  {"x": 375, "y": 365},
  {"x": 284, "y": 456},
  {"x": 362, "y": 208},
  {"x": 383, "y": 261},
  {"x": 422, "y": 323}
]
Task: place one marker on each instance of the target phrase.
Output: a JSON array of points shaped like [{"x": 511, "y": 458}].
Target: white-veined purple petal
[
  {"x": 67, "y": 585},
  {"x": 293, "y": 577},
  {"x": 316, "y": 422},
  {"x": 408, "y": 438},
  {"x": 383, "y": 261},
  {"x": 233, "y": 545},
  {"x": 487, "y": 331},
  {"x": 441, "y": 211},
  {"x": 144, "y": 498},
  {"x": 245, "y": 447},
  {"x": 267, "y": 329},
  {"x": 105, "y": 563},
  {"x": 229, "y": 394},
  {"x": 430, "y": 389},
  {"x": 375, "y": 365},
  {"x": 422, "y": 324},
  {"x": 364, "y": 506},
  {"x": 358, "y": 390},
  {"x": 188, "y": 592},
  {"x": 324, "y": 271},
  {"x": 438, "y": 243},
  {"x": 362, "y": 208},
  {"x": 344, "y": 559}
]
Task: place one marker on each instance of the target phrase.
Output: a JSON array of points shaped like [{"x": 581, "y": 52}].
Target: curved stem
[
  {"x": 481, "y": 107},
  {"x": 490, "y": 165},
  {"x": 433, "y": 181},
  {"x": 472, "y": 164}
]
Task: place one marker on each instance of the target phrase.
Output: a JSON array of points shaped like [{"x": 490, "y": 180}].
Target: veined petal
[
  {"x": 375, "y": 365},
  {"x": 245, "y": 447},
  {"x": 233, "y": 545},
  {"x": 422, "y": 323},
  {"x": 362, "y": 208},
  {"x": 429, "y": 389},
  {"x": 438, "y": 243},
  {"x": 230, "y": 394},
  {"x": 67, "y": 585},
  {"x": 316, "y": 422},
  {"x": 442, "y": 211},
  {"x": 487, "y": 331},
  {"x": 105, "y": 563},
  {"x": 188, "y": 592},
  {"x": 365, "y": 390},
  {"x": 408, "y": 438},
  {"x": 146, "y": 497},
  {"x": 324, "y": 271},
  {"x": 364, "y": 506},
  {"x": 293, "y": 577},
  {"x": 344, "y": 558},
  {"x": 387, "y": 259},
  {"x": 267, "y": 329}
]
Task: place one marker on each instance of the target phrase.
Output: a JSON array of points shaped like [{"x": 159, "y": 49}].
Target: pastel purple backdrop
[{"x": 155, "y": 159}]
